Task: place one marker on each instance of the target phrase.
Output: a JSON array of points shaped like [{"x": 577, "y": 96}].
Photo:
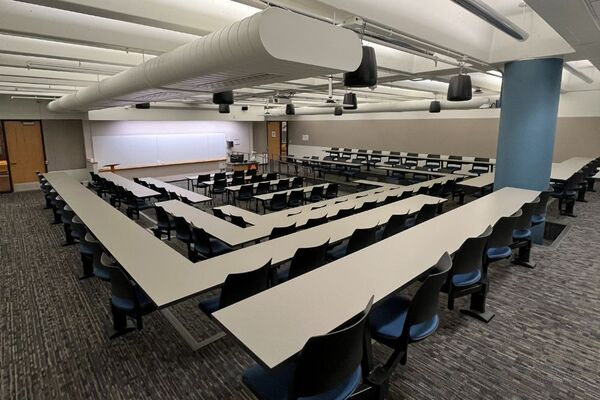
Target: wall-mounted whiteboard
[{"x": 138, "y": 150}]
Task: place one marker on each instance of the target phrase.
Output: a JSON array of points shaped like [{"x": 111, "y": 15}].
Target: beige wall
[
  {"x": 63, "y": 142},
  {"x": 259, "y": 136},
  {"x": 469, "y": 136}
]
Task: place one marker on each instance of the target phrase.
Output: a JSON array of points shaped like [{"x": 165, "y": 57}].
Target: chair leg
[
  {"x": 523, "y": 256},
  {"x": 88, "y": 267},
  {"x": 68, "y": 236},
  {"x": 477, "y": 308},
  {"x": 120, "y": 324}
]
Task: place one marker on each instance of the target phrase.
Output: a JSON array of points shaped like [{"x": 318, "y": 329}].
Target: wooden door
[
  {"x": 274, "y": 139},
  {"x": 25, "y": 150}
]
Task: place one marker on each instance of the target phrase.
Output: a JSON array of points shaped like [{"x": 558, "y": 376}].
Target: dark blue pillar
[{"x": 530, "y": 95}]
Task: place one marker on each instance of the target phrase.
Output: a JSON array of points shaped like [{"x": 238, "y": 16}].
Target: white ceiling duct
[{"x": 274, "y": 45}]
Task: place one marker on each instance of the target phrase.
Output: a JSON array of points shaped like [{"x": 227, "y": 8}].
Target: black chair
[
  {"x": 238, "y": 221},
  {"x": 238, "y": 287},
  {"x": 346, "y": 154},
  {"x": 237, "y": 181},
  {"x": 219, "y": 187},
  {"x": 451, "y": 167},
  {"x": 396, "y": 224},
  {"x": 567, "y": 195},
  {"x": 296, "y": 198},
  {"x": 362, "y": 157},
  {"x": 343, "y": 213},
  {"x": 539, "y": 215},
  {"x": 245, "y": 194},
  {"x": 135, "y": 205},
  {"x": 332, "y": 191},
  {"x": 467, "y": 276},
  {"x": 283, "y": 184},
  {"x": 501, "y": 239},
  {"x": 183, "y": 232},
  {"x": 393, "y": 159},
  {"x": 389, "y": 199},
  {"x": 271, "y": 176},
  {"x": 426, "y": 212},
  {"x": 316, "y": 194},
  {"x": 278, "y": 202},
  {"x": 127, "y": 299},
  {"x": 89, "y": 247},
  {"x": 164, "y": 223},
  {"x": 410, "y": 161},
  {"x": 102, "y": 264},
  {"x": 366, "y": 206},
  {"x": 422, "y": 190},
  {"x": 375, "y": 157},
  {"x": 219, "y": 214},
  {"x": 239, "y": 173},
  {"x": 297, "y": 182},
  {"x": 480, "y": 166},
  {"x": 318, "y": 207},
  {"x": 327, "y": 367},
  {"x": 279, "y": 231},
  {"x": 304, "y": 260},
  {"x": 251, "y": 172},
  {"x": 312, "y": 222},
  {"x": 206, "y": 246},
  {"x": 256, "y": 179},
  {"x": 262, "y": 188},
  {"x": 522, "y": 239},
  {"x": 361, "y": 238},
  {"x": 405, "y": 195},
  {"x": 219, "y": 176},
  {"x": 67, "y": 220},
  {"x": 399, "y": 320},
  {"x": 432, "y": 165}
]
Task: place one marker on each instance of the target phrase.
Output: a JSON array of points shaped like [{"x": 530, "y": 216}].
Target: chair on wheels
[
  {"x": 467, "y": 276},
  {"x": 305, "y": 260},
  {"x": 522, "y": 239},
  {"x": 396, "y": 224},
  {"x": 361, "y": 238},
  {"x": 327, "y": 367},
  {"x": 127, "y": 299},
  {"x": 183, "y": 232},
  {"x": 399, "y": 320},
  {"x": 164, "y": 222},
  {"x": 238, "y": 287},
  {"x": 206, "y": 247}
]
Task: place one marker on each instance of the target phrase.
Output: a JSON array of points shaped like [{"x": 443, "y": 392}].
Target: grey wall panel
[{"x": 63, "y": 141}]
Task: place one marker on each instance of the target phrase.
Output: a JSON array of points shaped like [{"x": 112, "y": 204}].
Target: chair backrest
[
  {"x": 279, "y": 231},
  {"x": 450, "y": 164},
  {"x": 319, "y": 206},
  {"x": 240, "y": 286},
  {"x": 394, "y": 155},
  {"x": 283, "y": 184},
  {"x": 344, "y": 212},
  {"x": 162, "y": 218},
  {"x": 361, "y": 238},
  {"x": 422, "y": 190},
  {"x": 203, "y": 178},
  {"x": 432, "y": 163},
  {"x": 527, "y": 211},
  {"x": 220, "y": 184},
  {"x": 426, "y": 213},
  {"x": 367, "y": 205},
  {"x": 201, "y": 241},
  {"x": 405, "y": 195},
  {"x": 238, "y": 173},
  {"x": 185, "y": 200},
  {"x": 308, "y": 258},
  {"x": 182, "y": 229},
  {"x": 238, "y": 180},
  {"x": 332, "y": 190},
  {"x": 479, "y": 166},
  {"x": 572, "y": 182},
  {"x": 502, "y": 233},
  {"x": 238, "y": 220},
  {"x": 316, "y": 192},
  {"x": 327, "y": 361},
  {"x": 435, "y": 189},
  {"x": 297, "y": 182},
  {"x": 251, "y": 172},
  {"x": 120, "y": 285},
  {"x": 246, "y": 192},
  {"x": 220, "y": 175},
  {"x": 543, "y": 203},
  {"x": 424, "y": 304},
  {"x": 390, "y": 199},
  {"x": 311, "y": 223},
  {"x": 137, "y": 180},
  {"x": 271, "y": 176},
  {"x": 262, "y": 188},
  {"x": 256, "y": 178},
  {"x": 279, "y": 199},
  {"x": 470, "y": 256},
  {"x": 219, "y": 213},
  {"x": 396, "y": 224},
  {"x": 173, "y": 196}
]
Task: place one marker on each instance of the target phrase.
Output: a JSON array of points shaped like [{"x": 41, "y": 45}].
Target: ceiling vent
[{"x": 271, "y": 46}]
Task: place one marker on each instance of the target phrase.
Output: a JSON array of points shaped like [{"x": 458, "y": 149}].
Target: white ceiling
[{"x": 55, "y": 47}]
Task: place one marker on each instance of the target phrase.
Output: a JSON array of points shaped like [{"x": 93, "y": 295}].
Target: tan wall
[
  {"x": 63, "y": 142},
  {"x": 576, "y": 136},
  {"x": 259, "y": 136}
]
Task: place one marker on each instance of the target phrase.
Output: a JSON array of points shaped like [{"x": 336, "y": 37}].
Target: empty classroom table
[
  {"x": 138, "y": 190},
  {"x": 564, "y": 170},
  {"x": 188, "y": 194},
  {"x": 366, "y": 182},
  {"x": 286, "y": 316},
  {"x": 481, "y": 183}
]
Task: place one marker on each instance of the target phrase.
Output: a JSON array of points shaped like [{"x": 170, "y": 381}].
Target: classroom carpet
[{"x": 544, "y": 342}]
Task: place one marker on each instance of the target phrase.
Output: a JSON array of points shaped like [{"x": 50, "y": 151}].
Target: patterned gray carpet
[{"x": 544, "y": 342}]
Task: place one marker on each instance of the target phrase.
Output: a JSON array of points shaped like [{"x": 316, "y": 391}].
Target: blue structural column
[{"x": 530, "y": 95}]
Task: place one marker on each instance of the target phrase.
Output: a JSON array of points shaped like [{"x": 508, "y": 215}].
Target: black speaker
[
  {"x": 366, "y": 74},
  {"x": 350, "y": 102},
  {"x": 223, "y": 97},
  {"x": 142, "y": 106},
  {"x": 290, "y": 109},
  {"x": 223, "y": 108},
  {"x": 460, "y": 88},
  {"x": 244, "y": 108},
  {"x": 435, "y": 106},
  {"x": 338, "y": 111}
]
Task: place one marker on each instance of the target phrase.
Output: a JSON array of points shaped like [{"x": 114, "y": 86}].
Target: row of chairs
[
  {"x": 299, "y": 197},
  {"x": 164, "y": 193},
  {"x": 575, "y": 188},
  {"x": 239, "y": 178},
  {"x": 247, "y": 192},
  {"x": 119, "y": 196}
]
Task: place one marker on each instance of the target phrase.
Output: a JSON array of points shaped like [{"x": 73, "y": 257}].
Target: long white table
[
  {"x": 274, "y": 325},
  {"x": 188, "y": 194},
  {"x": 366, "y": 182},
  {"x": 137, "y": 190}
]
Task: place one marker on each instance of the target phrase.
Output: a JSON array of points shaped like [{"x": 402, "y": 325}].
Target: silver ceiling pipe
[{"x": 494, "y": 18}]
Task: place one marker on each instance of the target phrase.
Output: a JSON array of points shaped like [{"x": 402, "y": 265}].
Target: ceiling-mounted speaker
[
  {"x": 366, "y": 74},
  {"x": 223, "y": 97},
  {"x": 350, "y": 102},
  {"x": 223, "y": 108},
  {"x": 142, "y": 106},
  {"x": 435, "y": 106},
  {"x": 338, "y": 111},
  {"x": 460, "y": 88},
  {"x": 290, "y": 109},
  {"x": 244, "y": 108}
]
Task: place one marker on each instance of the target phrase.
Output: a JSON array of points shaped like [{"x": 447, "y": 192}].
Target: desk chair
[
  {"x": 173, "y": 196},
  {"x": 362, "y": 157},
  {"x": 346, "y": 154},
  {"x": 88, "y": 247},
  {"x": 58, "y": 204},
  {"x": 432, "y": 165},
  {"x": 410, "y": 161},
  {"x": 206, "y": 246},
  {"x": 283, "y": 184},
  {"x": 479, "y": 168},
  {"x": 237, "y": 180},
  {"x": 238, "y": 287},
  {"x": 305, "y": 260},
  {"x": 200, "y": 182},
  {"x": 219, "y": 187},
  {"x": 67, "y": 221},
  {"x": 102, "y": 264},
  {"x": 375, "y": 157},
  {"x": 343, "y": 213},
  {"x": 467, "y": 276},
  {"x": 522, "y": 234},
  {"x": 389, "y": 199},
  {"x": 245, "y": 194},
  {"x": 366, "y": 206},
  {"x": 262, "y": 188},
  {"x": 426, "y": 212},
  {"x": 332, "y": 191},
  {"x": 183, "y": 232},
  {"x": 238, "y": 174},
  {"x": 327, "y": 367},
  {"x": 297, "y": 182},
  {"x": 318, "y": 207},
  {"x": 164, "y": 222},
  {"x": 435, "y": 190},
  {"x": 164, "y": 193},
  {"x": 238, "y": 221},
  {"x": 280, "y": 231},
  {"x": 422, "y": 190},
  {"x": 395, "y": 224},
  {"x": 296, "y": 198},
  {"x": 219, "y": 214},
  {"x": 316, "y": 194},
  {"x": 398, "y": 320},
  {"x": 271, "y": 176},
  {"x": 140, "y": 182},
  {"x": 278, "y": 202},
  {"x": 219, "y": 176},
  {"x": 452, "y": 167},
  {"x": 312, "y": 222},
  {"x": 78, "y": 229},
  {"x": 126, "y": 299},
  {"x": 539, "y": 215},
  {"x": 256, "y": 178},
  {"x": 498, "y": 247},
  {"x": 393, "y": 159},
  {"x": 135, "y": 205},
  {"x": 334, "y": 151},
  {"x": 251, "y": 172},
  {"x": 361, "y": 238},
  {"x": 567, "y": 194},
  {"x": 405, "y": 195}
]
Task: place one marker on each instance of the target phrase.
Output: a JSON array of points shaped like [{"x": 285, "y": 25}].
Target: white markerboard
[{"x": 136, "y": 150}]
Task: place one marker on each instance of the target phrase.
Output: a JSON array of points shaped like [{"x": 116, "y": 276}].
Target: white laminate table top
[
  {"x": 191, "y": 196},
  {"x": 566, "y": 169},
  {"x": 479, "y": 182},
  {"x": 127, "y": 184},
  {"x": 376, "y": 183},
  {"x": 275, "y": 324}
]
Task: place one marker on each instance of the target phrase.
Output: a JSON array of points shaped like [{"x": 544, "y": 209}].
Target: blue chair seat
[
  {"x": 387, "y": 320},
  {"x": 537, "y": 219},
  {"x": 466, "y": 279},
  {"x": 497, "y": 253},
  {"x": 274, "y": 384},
  {"x": 411, "y": 221},
  {"x": 211, "y": 305},
  {"x": 102, "y": 273},
  {"x": 128, "y": 305},
  {"x": 521, "y": 233},
  {"x": 564, "y": 195},
  {"x": 338, "y": 251},
  {"x": 219, "y": 247}
]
